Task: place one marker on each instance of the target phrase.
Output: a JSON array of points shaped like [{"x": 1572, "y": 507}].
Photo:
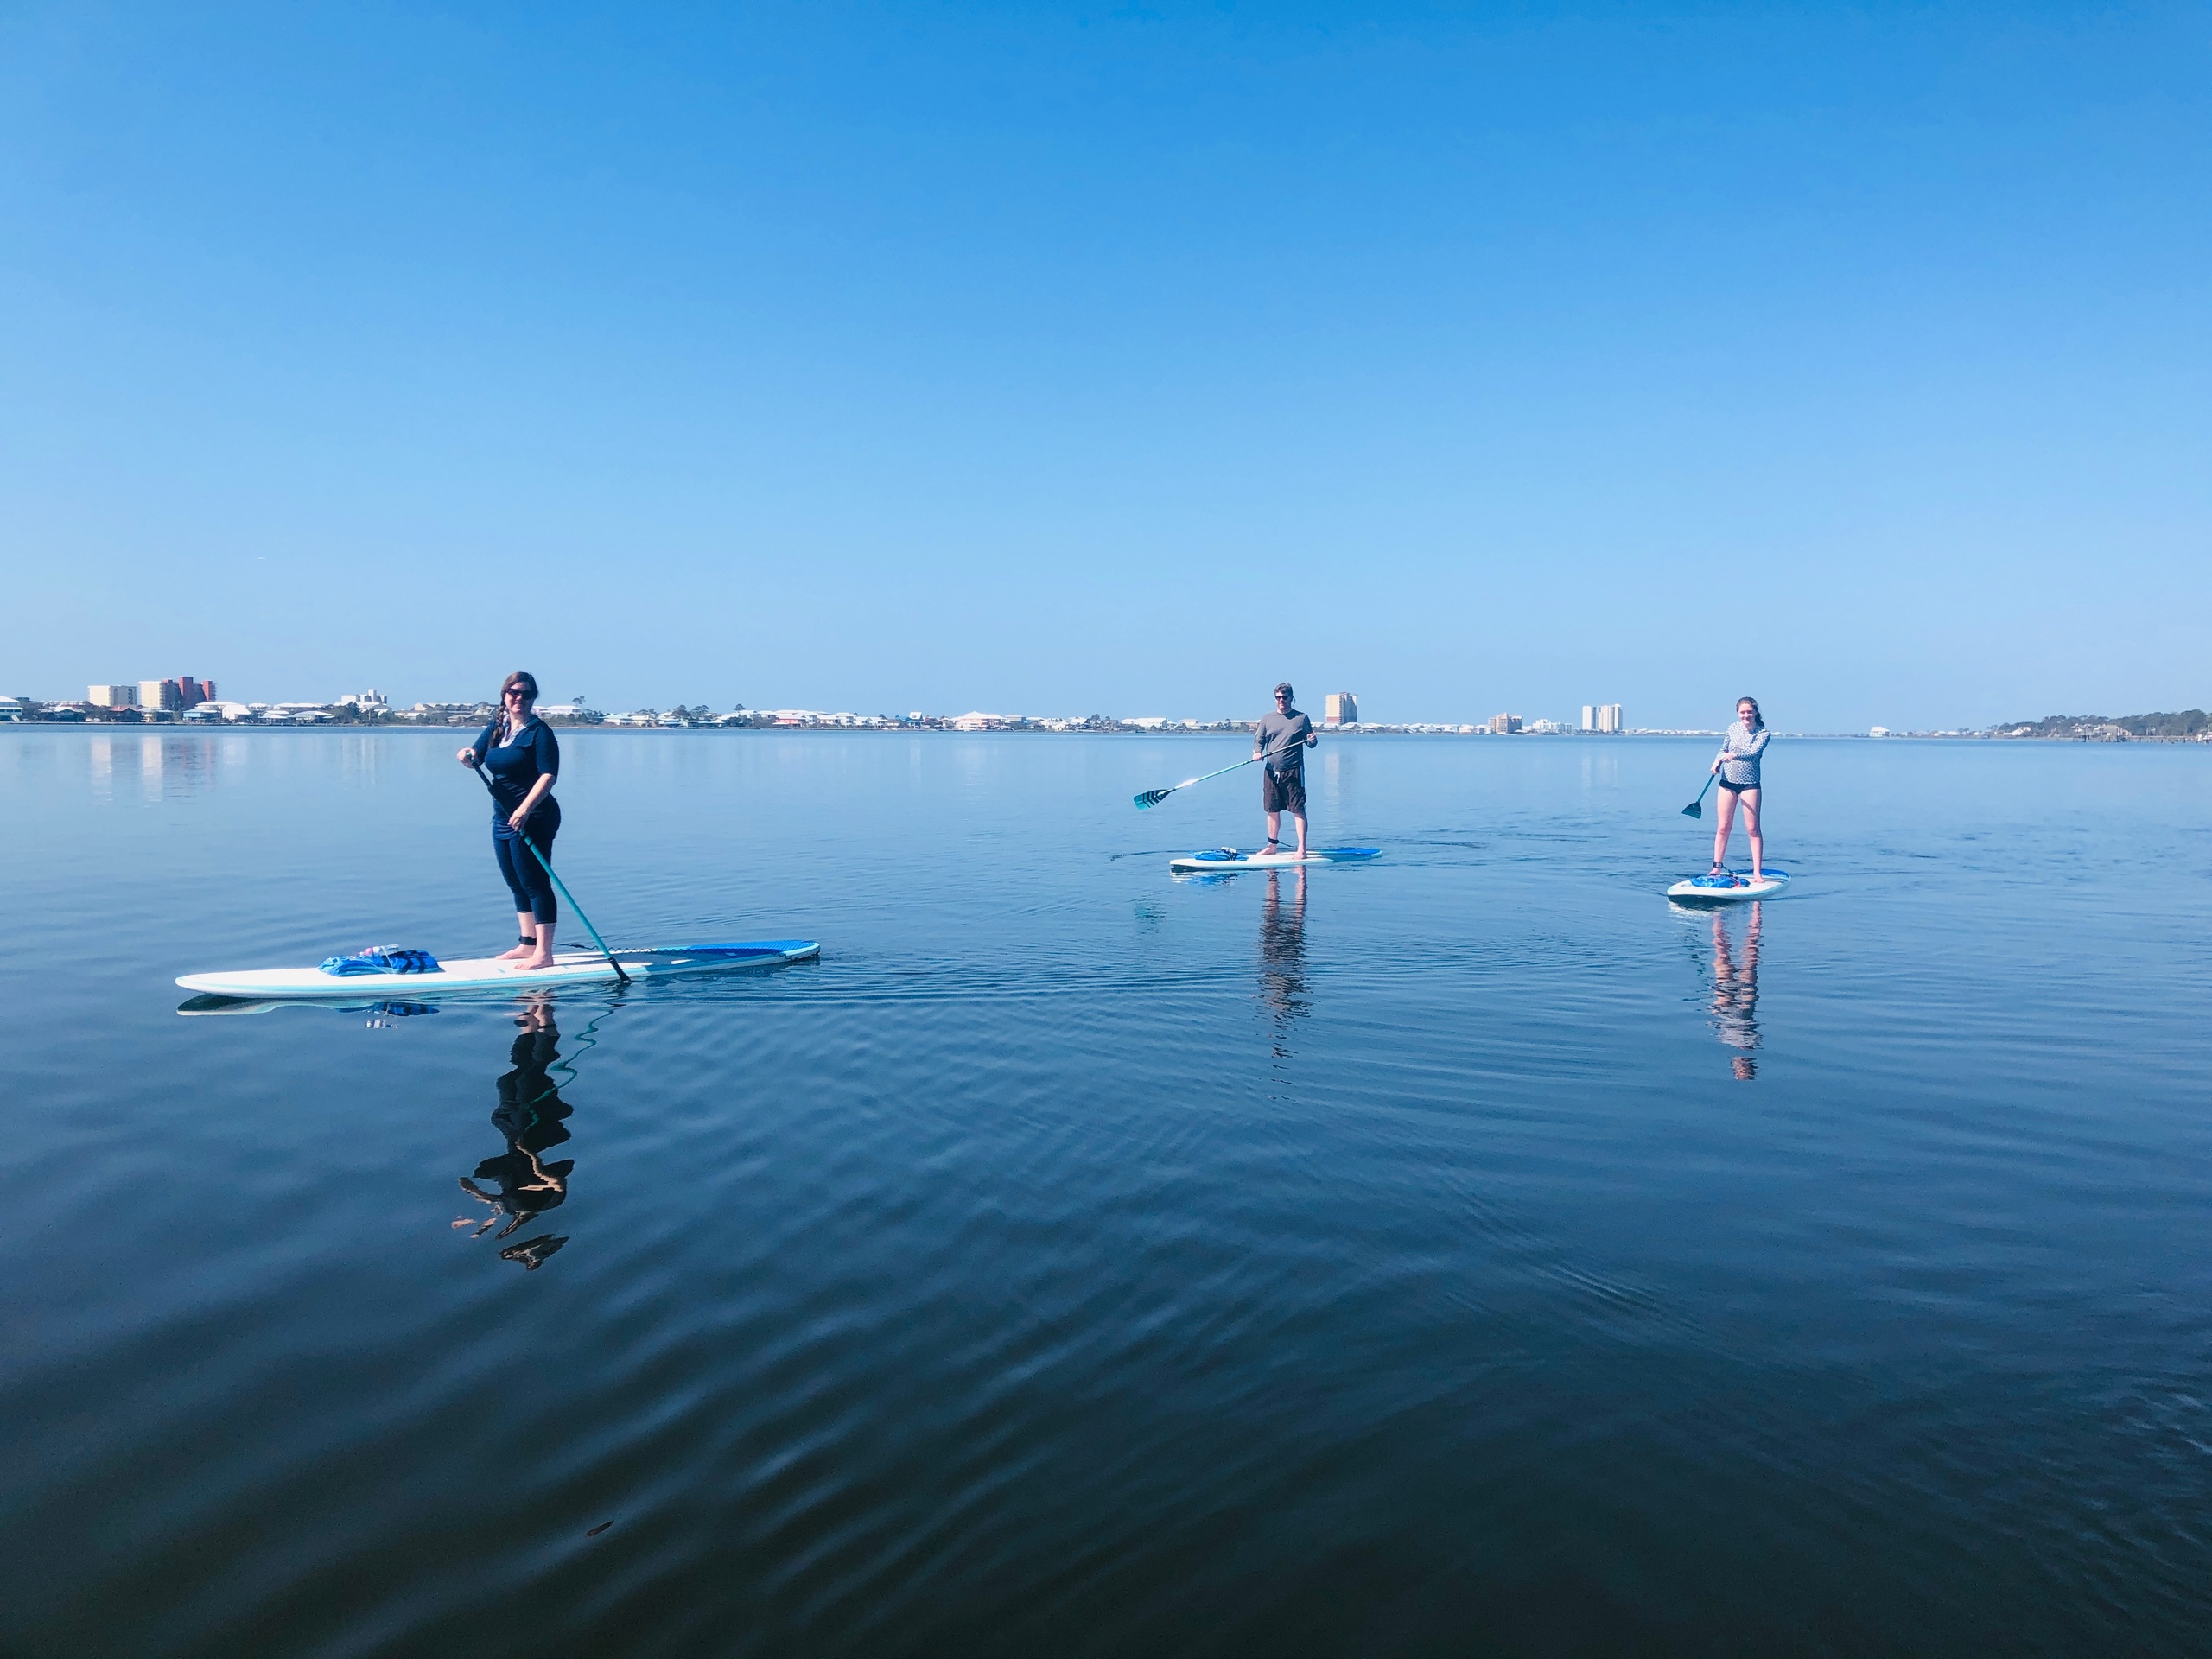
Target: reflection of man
[
  {"x": 1736, "y": 992},
  {"x": 530, "y": 1116},
  {"x": 1282, "y": 740}
]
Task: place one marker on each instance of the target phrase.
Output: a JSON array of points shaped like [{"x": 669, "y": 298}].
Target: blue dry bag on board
[{"x": 383, "y": 959}]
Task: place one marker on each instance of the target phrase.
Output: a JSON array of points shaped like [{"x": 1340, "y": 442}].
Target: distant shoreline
[{"x": 410, "y": 728}]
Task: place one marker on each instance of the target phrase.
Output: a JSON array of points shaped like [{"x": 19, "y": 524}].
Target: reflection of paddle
[
  {"x": 1153, "y": 798},
  {"x": 1696, "y": 808},
  {"x": 524, "y": 835}
]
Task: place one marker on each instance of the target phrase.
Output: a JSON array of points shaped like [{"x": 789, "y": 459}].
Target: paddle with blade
[
  {"x": 1696, "y": 808},
  {"x": 1153, "y": 798}
]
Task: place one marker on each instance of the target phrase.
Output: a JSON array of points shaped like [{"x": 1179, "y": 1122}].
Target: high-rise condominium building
[
  {"x": 1589, "y": 716},
  {"x": 1503, "y": 725},
  {"x": 111, "y": 696},
  {"x": 1341, "y": 709},
  {"x": 1601, "y": 717}
]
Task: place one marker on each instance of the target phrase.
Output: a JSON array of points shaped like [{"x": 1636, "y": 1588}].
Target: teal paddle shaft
[
  {"x": 561, "y": 886},
  {"x": 1153, "y": 798}
]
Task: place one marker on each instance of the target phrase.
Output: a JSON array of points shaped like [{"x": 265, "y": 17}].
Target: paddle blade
[
  {"x": 1694, "y": 810},
  {"x": 1153, "y": 798}
]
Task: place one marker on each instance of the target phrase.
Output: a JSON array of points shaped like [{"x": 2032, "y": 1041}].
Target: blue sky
[{"x": 1063, "y": 359}]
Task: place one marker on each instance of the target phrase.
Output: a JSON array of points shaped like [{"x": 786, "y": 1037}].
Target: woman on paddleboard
[
  {"x": 521, "y": 756},
  {"x": 1737, "y": 763}
]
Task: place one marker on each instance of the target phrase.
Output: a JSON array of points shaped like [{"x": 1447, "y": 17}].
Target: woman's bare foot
[
  {"x": 518, "y": 953},
  {"x": 540, "y": 955}
]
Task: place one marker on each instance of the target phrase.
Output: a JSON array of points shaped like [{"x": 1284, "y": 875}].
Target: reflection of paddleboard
[
  {"x": 1728, "y": 887},
  {"x": 312, "y": 984},
  {"x": 1228, "y": 858}
]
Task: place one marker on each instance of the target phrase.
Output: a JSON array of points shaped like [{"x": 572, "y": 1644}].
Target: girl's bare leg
[
  {"x": 542, "y": 956},
  {"x": 1726, "y": 805},
  {"x": 1752, "y": 830}
]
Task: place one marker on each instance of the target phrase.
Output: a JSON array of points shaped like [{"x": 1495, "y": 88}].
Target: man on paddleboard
[{"x": 1283, "y": 738}]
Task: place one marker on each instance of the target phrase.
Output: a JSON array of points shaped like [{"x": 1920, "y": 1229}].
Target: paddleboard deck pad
[
  {"x": 1728, "y": 888},
  {"x": 492, "y": 974},
  {"x": 1228, "y": 858}
]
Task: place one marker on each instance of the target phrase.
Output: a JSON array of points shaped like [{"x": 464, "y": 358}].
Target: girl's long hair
[
  {"x": 528, "y": 682},
  {"x": 1759, "y": 721}
]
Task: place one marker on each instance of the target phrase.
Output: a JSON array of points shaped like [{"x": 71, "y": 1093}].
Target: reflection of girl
[
  {"x": 1736, "y": 992},
  {"x": 520, "y": 753},
  {"x": 1737, "y": 763}
]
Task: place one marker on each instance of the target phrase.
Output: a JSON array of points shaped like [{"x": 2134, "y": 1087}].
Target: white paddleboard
[
  {"x": 492, "y": 974},
  {"x": 1729, "y": 888},
  {"x": 1228, "y": 858}
]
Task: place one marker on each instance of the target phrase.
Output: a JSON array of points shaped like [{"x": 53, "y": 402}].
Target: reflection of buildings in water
[
  {"x": 1601, "y": 769},
  {"x": 175, "y": 765},
  {"x": 530, "y": 1117},
  {"x": 167, "y": 765},
  {"x": 1736, "y": 990},
  {"x": 1282, "y": 953}
]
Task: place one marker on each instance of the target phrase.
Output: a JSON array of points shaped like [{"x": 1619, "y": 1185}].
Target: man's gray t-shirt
[{"x": 1282, "y": 740}]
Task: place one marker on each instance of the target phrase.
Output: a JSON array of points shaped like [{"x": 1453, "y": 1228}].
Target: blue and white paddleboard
[
  {"x": 1228, "y": 858},
  {"x": 1728, "y": 888},
  {"x": 494, "y": 974}
]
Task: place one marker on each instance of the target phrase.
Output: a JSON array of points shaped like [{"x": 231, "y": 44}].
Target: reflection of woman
[
  {"x": 1737, "y": 763},
  {"x": 529, "y": 1118},
  {"x": 519, "y": 751},
  {"x": 1736, "y": 992}
]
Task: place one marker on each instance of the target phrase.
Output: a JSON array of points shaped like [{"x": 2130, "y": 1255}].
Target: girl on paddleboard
[
  {"x": 519, "y": 754},
  {"x": 1737, "y": 763}
]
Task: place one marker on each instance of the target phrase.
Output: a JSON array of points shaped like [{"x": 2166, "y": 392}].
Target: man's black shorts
[{"x": 1282, "y": 791}]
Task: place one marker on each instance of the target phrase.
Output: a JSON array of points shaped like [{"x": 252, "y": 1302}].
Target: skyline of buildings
[
  {"x": 188, "y": 698},
  {"x": 172, "y": 696}
]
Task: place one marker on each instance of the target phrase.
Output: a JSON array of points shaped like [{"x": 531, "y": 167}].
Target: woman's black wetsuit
[{"x": 515, "y": 766}]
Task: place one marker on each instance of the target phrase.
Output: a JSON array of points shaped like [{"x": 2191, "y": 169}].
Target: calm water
[{"x": 1467, "y": 1253}]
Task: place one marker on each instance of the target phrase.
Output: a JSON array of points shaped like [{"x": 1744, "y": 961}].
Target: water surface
[{"x": 1468, "y": 1252}]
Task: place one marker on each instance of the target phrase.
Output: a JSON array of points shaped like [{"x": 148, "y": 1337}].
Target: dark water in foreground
[{"x": 1466, "y": 1253}]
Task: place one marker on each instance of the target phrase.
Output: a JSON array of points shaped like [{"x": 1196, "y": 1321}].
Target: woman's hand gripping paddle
[
  {"x": 558, "y": 883},
  {"x": 1696, "y": 808}
]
